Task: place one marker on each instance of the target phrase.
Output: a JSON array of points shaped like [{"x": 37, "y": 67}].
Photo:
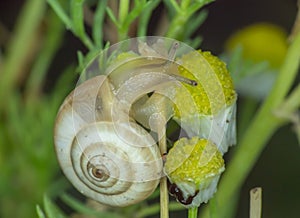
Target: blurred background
[{"x": 27, "y": 111}]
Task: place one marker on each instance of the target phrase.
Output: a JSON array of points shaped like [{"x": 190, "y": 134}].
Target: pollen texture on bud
[{"x": 193, "y": 167}]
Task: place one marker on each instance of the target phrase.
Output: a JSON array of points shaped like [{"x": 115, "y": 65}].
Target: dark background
[{"x": 277, "y": 170}]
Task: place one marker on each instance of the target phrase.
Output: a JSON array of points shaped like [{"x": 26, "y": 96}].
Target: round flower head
[
  {"x": 193, "y": 167},
  {"x": 208, "y": 109}
]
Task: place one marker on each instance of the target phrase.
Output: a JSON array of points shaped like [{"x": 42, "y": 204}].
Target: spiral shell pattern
[{"x": 115, "y": 163}]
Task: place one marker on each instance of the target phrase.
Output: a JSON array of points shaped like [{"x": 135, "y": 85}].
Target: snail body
[{"x": 114, "y": 162}]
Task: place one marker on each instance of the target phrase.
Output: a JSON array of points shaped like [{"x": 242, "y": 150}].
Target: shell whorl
[{"x": 115, "y": 163}]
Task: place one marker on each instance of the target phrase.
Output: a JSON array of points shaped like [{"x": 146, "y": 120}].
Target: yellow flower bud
[
  {"x": 208, "y": 109},
  {"x": 193, "y": 167}
]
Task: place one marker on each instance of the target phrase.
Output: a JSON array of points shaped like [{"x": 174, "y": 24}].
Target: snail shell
[
  {"x": 114, "y": 162},
  {"x": 105, "y": 154}
]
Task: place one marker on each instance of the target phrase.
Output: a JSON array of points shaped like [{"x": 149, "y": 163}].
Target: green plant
[{"x": 27, "y": 113}]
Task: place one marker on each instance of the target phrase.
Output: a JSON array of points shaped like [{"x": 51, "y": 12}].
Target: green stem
[
  {"x": 247, "y": 111},
  {"x": 19, "y": 47},
  {"x": 61, "y": 13},
  {"x": 164, "y": 196},
  {"x": 123, "y": 10},
  {"x": 51, "y": 43},
  {"x": 292, "y": 102},
  {"x": 162, "y": 142},
  {"x": 145, "y": 17},
  {"x": 99, "y": 23},
  {"x": 123, "y": 13},
  {"x": 154, "y": 209},
  {"x": 185, "y": 4},
  {"x": 193, "y": 212},
  {"x": 175, "y": 29},
  {"x": 78, "y": 23},
  {"x": 259, "y": 131},
  {"x": 182, "y": 16}
]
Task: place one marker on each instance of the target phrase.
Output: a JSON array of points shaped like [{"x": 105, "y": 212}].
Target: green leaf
[
  {"x": 77, "y": 17},
  {"x": 51, "y": 209},
  {"x": 78, "y": 22},
  {"x": 175, "y": 5},
  {"x": 83, "y": 209},
  {"x": 139, "y": 7},
  {"x": 197, "y": 5},
  {"x": 195, "y": 22},
  {"x": 111, "y": 15},
  {"x": 61, "y": 13},
  {"x": 40, "y": 212},
  {"x": 52, "y": 42},
  {"x": 145, "y": 17},
  {"x": 98, "y": 23}
]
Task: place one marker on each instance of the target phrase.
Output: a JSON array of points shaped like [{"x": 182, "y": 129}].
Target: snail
[
  {"x": 116, "y": 163},
  {"x": 102, "y": 150},
  {"x": 105, "y": 131}
]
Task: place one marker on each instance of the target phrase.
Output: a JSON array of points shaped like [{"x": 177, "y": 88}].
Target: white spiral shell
[{"x": 115, "y": 163}]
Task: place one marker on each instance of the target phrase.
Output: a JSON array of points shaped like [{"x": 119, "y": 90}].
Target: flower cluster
[{"x": 194, "y": 165}]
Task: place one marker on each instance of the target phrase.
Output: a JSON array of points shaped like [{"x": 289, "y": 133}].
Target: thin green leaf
[
  {"x": 53, "y": 40},
  {"x": 145, "y": 17},
  {"x": 184, "y": 4},
  {"x": 197, "y": 5},
  {"x": 83, "y": 209},
  {"x": 195, "y": 23},
  {"x": 98, "y": 23},
  {"x": 40, "y": 212},
  {"x": 170, "y": 9},
  {"x": 81, "y": 62},
  {"x": 84, "y": 61},
  {"x": 78, "y": 22},
  {"x": 77, "y": 16},
  {"x": 194, "y": 43},
  {"x": 19, "y": 48},
  {"x": 175, "y": 29},
  {"x": 234, "y": 60},
  {"x": 134, "y": 13},
  {"x": 51, "y": 209},
  {"x": 175, "y": 6},
  {"x": 124, "y": 22},
  {"x": 61, "y": 13},
  {"x": 123, "y": 10},
  {"x": 111, "y": 15},
  {"x": 154, "y": 209}
]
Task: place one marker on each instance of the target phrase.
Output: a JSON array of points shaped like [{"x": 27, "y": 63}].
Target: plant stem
[
  {"x": 51, "y": 43},
  {"x": 182, "y": 16},
  {"x": 20, "y": 46},
  {"x": 164, "y": 197},
  {"x": 78, "y": 23},
  {"x": 193, "y": 212},
  {"x": 259, "y": 131},
  {"x": 154, "y": 209},
  {"x": 175, "y": 28},
  {"x": 123, "y": 13},
  {"x": 61, "y": 13},
  {"x": 123, "y": 10},
  {"x": 291, "y": 103},
  {"x": 255, "y": 203},
  {"x": 247, "y": 111},
  {"x": 99, "y": 23}
]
